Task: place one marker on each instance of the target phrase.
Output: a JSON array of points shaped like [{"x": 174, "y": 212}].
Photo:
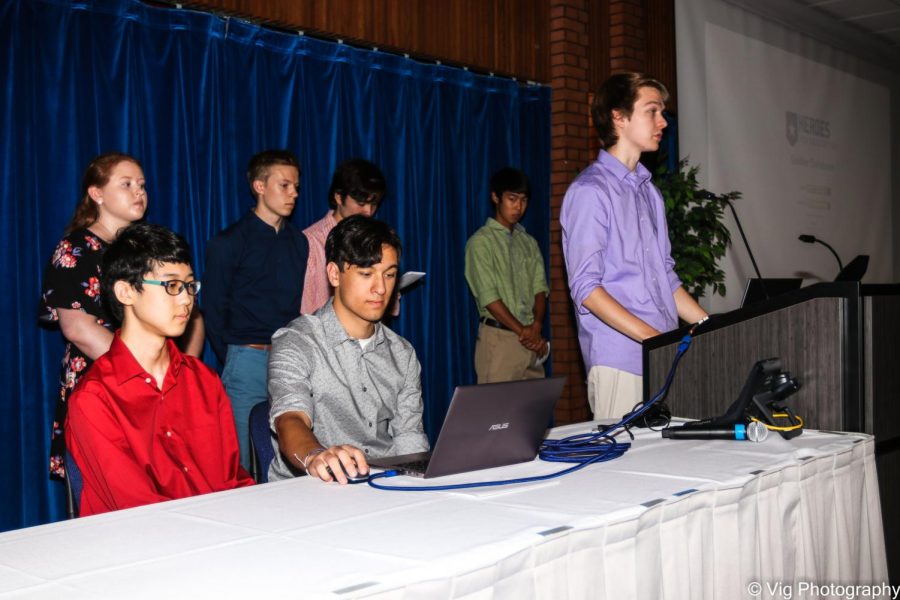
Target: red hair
[{"x": 96, "y": 175}]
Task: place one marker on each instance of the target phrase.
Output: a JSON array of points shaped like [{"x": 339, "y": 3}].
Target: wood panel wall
[{"x": 507, "y": 37}]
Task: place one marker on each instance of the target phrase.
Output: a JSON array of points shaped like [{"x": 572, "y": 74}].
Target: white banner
[{"x": 807, "y": 144}]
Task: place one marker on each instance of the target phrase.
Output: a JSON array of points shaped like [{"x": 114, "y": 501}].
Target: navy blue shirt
[{"x": 253, "y": 282}]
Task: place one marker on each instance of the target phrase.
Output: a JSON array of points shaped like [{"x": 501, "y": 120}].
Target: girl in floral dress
[{"x": 112, "y": 197}]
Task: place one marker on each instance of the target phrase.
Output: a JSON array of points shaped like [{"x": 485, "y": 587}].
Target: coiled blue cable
[{"x": 582, "y": 449}]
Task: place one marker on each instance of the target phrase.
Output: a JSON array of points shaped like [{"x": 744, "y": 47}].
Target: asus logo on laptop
[{"x": 498, "y": 427}]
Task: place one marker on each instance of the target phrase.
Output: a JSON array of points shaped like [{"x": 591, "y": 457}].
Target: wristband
[{"x": 311, "y": 454}]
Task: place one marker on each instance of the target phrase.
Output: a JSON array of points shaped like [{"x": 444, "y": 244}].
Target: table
[{"x": 670, "y": 519}]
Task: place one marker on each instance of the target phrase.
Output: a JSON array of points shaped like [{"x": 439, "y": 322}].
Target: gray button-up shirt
[{"x": 369, "y": 398}]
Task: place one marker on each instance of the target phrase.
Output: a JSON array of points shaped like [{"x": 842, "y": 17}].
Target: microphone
[
  {"x": 753, "y": 432},
  {"x": 701, "y": 194},
  {"x": 811, "y": 239}
]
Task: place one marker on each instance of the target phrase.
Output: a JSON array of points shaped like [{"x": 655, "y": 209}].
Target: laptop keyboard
[{"x": 415, "y": 467}]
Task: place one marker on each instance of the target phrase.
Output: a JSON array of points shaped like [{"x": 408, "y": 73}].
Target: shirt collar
[
  {"x": 127, "y": 366},
  {"x": 335, "y": 334},
  {"x": 253, "y": 221},
  {"x": 494, "y": 224},
  {"x": 620, "y": 171}
]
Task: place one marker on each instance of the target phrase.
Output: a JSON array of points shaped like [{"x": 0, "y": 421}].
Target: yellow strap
[{"x": 776, "y": 427}]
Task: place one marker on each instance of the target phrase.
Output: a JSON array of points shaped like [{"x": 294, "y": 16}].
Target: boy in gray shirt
[{"x": 344, "y": 387}]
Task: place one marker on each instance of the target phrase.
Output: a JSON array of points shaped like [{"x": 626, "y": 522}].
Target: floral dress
[{"x": 71, "y": 280}]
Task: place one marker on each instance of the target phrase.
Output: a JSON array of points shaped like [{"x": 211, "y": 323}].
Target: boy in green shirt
[{"x": 505, "y": 272}]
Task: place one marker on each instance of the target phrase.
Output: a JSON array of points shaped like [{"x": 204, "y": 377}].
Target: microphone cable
[
  {"x": 601, "y": 445},
  {"x": 581, "y": 449}
]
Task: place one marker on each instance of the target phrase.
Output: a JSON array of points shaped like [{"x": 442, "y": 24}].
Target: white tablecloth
[{"x": 670, "y": 519}]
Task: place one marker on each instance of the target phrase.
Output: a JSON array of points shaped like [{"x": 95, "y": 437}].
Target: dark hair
[
  {"x": 359, "y": 179},
  {"x": 258, "y": 168},
  {"x": 619, "y": 92},
  {"x": 510, "y": 180},
  {"x": 96, "y": 175},
  {"x": 358, "y": 240},
  {"x": 137, "y": 251}
]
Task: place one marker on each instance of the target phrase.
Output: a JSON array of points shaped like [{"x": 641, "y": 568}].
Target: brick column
[
  {"x": 627, "y": 36},
  {"x": 570, "y": 152}
]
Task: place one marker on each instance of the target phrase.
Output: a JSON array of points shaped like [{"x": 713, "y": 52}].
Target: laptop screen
[
  {"x": 491, "y": 425},
  {"x": 758, "y": 290}
]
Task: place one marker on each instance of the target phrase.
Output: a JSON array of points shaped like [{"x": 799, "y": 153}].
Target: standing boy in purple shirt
[{"x": 616, "y": 246}]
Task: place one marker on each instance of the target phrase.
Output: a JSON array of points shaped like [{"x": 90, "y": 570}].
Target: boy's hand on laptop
[{"x": 337, "y": 462}]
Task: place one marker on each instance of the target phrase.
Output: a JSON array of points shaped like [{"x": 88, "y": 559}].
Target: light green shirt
[{"x": 505, "y": 266}]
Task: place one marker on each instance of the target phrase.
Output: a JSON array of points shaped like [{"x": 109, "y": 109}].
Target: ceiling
[
  {"x": 868, "y": 29},
  {"x": 880, "y": 18}
]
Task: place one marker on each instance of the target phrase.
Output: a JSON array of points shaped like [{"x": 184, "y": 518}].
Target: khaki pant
[
  {"x": 500, "y": 357},
  {"x": 613, "y": 393}
]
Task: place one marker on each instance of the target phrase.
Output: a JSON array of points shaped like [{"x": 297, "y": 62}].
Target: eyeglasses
[{"x": 174, "y": 286}]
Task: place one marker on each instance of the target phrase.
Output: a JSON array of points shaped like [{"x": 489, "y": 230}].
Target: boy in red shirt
[{"x": 148, "y": 423}]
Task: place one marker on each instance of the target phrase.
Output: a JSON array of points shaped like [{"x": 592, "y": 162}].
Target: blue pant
[{"x": 244, "y": 378}]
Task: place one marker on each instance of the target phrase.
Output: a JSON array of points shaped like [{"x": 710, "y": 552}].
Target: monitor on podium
[{"x": 758, "y": 290}]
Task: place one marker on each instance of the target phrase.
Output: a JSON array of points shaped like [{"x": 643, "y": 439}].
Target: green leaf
[{"x": 696, "y": 229}]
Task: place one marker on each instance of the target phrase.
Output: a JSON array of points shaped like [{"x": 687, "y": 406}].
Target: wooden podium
[{"x": 841, "y": 340}]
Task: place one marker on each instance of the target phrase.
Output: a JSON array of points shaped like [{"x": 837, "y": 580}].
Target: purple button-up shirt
[{"x": 614, "y": 236}]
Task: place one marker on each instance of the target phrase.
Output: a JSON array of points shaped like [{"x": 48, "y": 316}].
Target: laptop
[
  {"x": 488, "y": 425},
  {"x": 758, "y": 290}
]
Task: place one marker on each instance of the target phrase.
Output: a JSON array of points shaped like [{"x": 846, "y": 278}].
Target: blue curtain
[{"x": 193, "y": 96}]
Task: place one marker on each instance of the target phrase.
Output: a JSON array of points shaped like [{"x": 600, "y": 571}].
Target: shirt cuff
[
  {"x": 581, "y": 292},
  {"x": 277, "y": 411}
]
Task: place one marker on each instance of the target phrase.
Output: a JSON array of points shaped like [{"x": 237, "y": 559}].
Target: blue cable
[
  {"x": 460, "y": 486},
  {"x": 582, "y": 449}
]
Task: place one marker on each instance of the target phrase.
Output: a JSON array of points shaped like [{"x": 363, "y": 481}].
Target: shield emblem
[{"x": 790, "y": 127}]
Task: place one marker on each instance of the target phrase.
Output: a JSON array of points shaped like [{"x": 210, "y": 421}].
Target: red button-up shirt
[{"x": 137, "y": 444}]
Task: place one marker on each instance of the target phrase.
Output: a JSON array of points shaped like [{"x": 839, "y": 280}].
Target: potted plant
[{"x": 699, "y": 237}]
